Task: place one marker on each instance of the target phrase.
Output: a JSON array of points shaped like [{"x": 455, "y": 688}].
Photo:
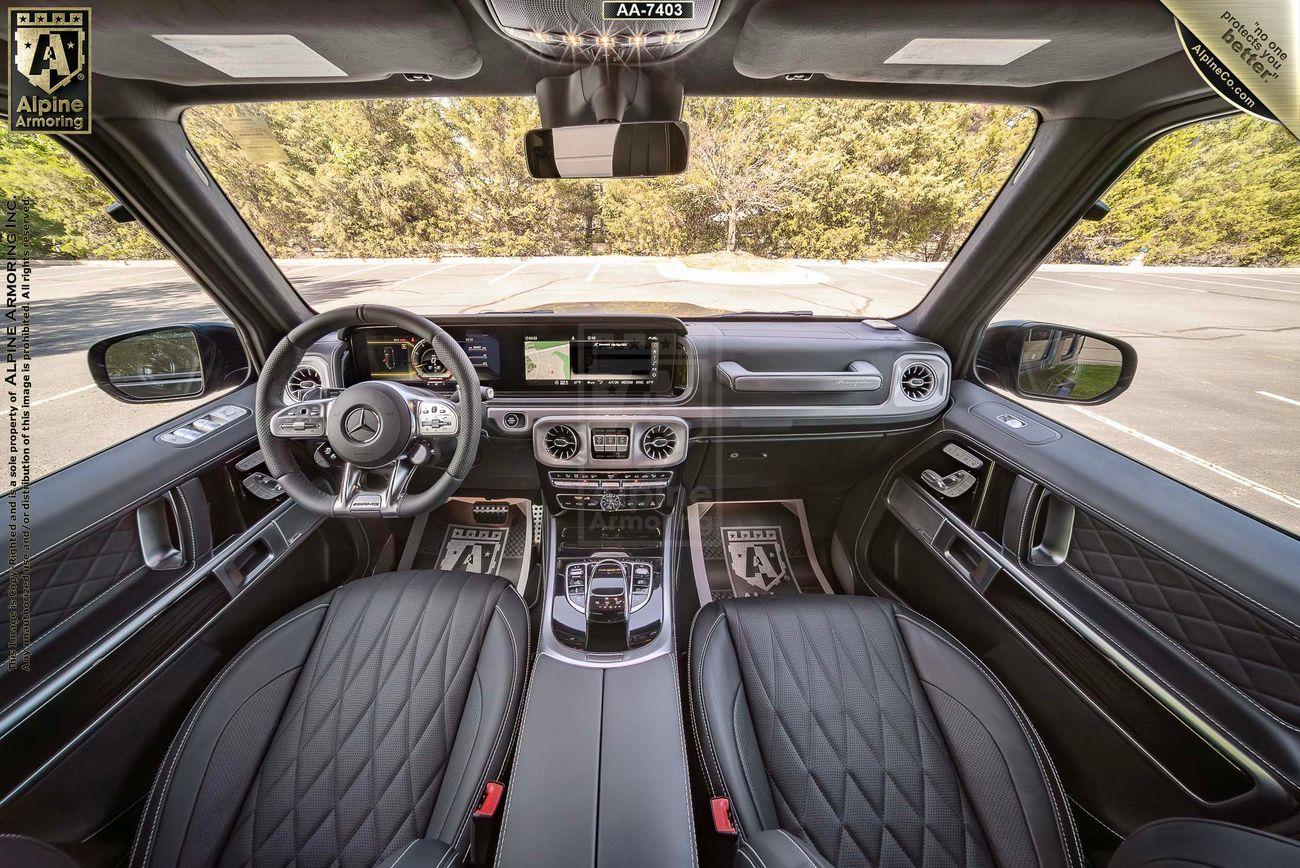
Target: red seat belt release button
[
  {"x": 721, "y": 810},
  {"x": 492, "y": 793}
]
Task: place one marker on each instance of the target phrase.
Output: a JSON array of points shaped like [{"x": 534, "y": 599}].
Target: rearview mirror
[
  {"x": 1055, "y": 363},
  {"x": 611, "y": 150},
  {"x": 172, "y": 363}
]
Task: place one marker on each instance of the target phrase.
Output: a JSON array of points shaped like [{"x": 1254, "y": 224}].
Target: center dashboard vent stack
[
  {"x": 562, "y": 442},
  {"x": 918, "y": 381},
  {"x": 302, "y": 381},
  {"x": 659, "y": 442}
]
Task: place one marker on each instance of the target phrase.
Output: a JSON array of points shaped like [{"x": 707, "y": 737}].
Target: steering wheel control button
[{"x": 437, "y": 419}]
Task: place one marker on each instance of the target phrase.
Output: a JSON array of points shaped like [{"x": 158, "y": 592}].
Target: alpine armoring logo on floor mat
[{"x": 756, "y": 557}]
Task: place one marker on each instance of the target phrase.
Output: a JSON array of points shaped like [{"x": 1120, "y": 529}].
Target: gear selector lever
[{"x": 607, "y": 606}]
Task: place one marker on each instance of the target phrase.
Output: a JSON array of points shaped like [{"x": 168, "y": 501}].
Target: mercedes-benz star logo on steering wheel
[{"x": 361, "y": 425}]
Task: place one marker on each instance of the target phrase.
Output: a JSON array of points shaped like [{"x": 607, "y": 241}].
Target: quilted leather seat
[
  {"x": 364, "y": 722},
  {"x": 851, "y": 732}
]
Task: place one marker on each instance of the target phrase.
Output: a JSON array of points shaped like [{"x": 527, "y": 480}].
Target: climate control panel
[{"x": 612, "y": 491}]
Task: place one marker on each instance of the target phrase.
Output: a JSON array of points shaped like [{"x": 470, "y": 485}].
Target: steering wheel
[{"x": 383, "y": 431}]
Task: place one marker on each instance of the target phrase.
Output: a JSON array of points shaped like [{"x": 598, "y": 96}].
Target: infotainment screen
[{"x": 631, "y": 360}]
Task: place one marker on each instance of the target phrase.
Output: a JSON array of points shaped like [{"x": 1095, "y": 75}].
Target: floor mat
[
  {"x": 752, "y": 549},
  {"x": 476, "y": 535}
]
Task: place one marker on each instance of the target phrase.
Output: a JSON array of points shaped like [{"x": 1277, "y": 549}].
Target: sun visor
[
  {"x": 251, "y": 41},
  {"x": 977, "y": 42}
]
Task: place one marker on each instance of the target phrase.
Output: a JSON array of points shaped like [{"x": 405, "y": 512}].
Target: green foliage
[
  {"x": 67, "y": 218},
  {"x": 1219, "y": 193},
  {"x": 824, "y": 179}
]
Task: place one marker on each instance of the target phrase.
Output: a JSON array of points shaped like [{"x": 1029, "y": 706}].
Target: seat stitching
[
  {"x": 162, "y": 795},
  {"x": 1013, "y": 707},
  {"x": 845, "y": 829},
  {"x": 686, "y": 772},
  {"x": 300, "y": 711},
  {"x": 704, "y": 712},
  {"x": 445, "y": 637},
  {"x": 1001, "y": 755},
  {"x": 505, "y": 817},
  {"x": 1015, "y": 713},
  {"x": 446, "y": 858},
  {"x": 745, "y": 845},
  {"x": 405, "y": 850},
  {"x": 744, "y": 767},
  {"x": 798, "y": 846},
  {"x": 501, "y": 725}
]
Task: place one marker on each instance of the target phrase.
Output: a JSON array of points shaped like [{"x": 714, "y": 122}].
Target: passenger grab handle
[{"x": 859, "y": 377}]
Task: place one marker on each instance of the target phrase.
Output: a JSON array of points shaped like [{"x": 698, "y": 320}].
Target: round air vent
[
  {"x": 301, "y": 382},
  {"x": 918, "y": 381},
  {"x": 561, "y": 442},
  {"x": 659, "y": 442}
]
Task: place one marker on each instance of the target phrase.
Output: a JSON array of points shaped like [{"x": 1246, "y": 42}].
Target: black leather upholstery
[
  {"x": 363, "y": 721},
  {"x": 1184, "y": 842},
  {"x": 21, "y": 850},
  {"x": 871, "y": 736}
]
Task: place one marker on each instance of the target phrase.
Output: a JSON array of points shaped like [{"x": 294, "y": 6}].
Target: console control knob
[{"x": 611, "y": 502}]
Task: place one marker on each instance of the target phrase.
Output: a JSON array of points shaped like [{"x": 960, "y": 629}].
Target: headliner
[{"x": 1107, "y": 58}]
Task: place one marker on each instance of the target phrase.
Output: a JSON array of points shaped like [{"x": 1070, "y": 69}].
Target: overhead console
[{"x": 537, "y": 356}]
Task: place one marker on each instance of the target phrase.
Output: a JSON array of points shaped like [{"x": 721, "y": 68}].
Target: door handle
[
  {"x": 1053, "y": 546},
  {"x": 159, "y": 527}
]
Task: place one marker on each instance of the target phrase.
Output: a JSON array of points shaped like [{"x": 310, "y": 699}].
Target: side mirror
[
  {"x": 1046, "y": 362},
  {"x": 640, "y": 149},
  {"x": 171, "y": 363}
]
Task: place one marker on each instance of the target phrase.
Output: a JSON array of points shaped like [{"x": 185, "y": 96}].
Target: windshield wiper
[{"x": 749, "y": 314}]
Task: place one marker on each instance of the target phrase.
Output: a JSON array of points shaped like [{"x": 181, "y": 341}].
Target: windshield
[{"x": 829, "y": 207}]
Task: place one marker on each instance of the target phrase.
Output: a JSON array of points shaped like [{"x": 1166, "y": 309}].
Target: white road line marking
[
  {"x": 1072, "y": 283},
  {"x": 1195, "y": 459},
  {"x": 503, "y": 276},
  {"x": 1158, "y": 285},
  {"x": 1281, "y": 398},
  {"x": 590, "y": 274},
  {"x": 414, "y": 277},
  {"x": 127, "y": 272},
  {"x": 1214, "y": 281},
  {"x": 61, "y": 395},
  {"x": 1217, "y": 282},
  {"x": 858, "y": 266},
  {"x": 350, "y": 273}
]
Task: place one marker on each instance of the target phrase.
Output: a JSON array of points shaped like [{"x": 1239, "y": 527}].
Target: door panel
[
  {"x": 151, "y": 565},
  {"x": 1113, "y": 576}
]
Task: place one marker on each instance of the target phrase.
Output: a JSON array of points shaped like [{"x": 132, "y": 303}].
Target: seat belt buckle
[
  {"x": 720, "y": 809},
  {"x": 484, "y": 817}
]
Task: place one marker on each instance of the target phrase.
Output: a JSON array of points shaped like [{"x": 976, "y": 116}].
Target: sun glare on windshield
[{"x": 828, "y": 207}]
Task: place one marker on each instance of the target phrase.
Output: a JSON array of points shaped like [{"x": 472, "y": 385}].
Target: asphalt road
[{"x": 1216, "y": 401}]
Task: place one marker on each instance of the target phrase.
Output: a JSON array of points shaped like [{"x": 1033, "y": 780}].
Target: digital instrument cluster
[{"x": 531, "y": 357}]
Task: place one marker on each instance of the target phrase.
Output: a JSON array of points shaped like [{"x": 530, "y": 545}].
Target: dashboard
[{"x": 596, "y": 357}]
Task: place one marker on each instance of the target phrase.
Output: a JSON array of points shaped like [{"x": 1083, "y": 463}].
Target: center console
[
  {"x": 609, "y": 483},
  {"x": 600, "y": 776}
]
